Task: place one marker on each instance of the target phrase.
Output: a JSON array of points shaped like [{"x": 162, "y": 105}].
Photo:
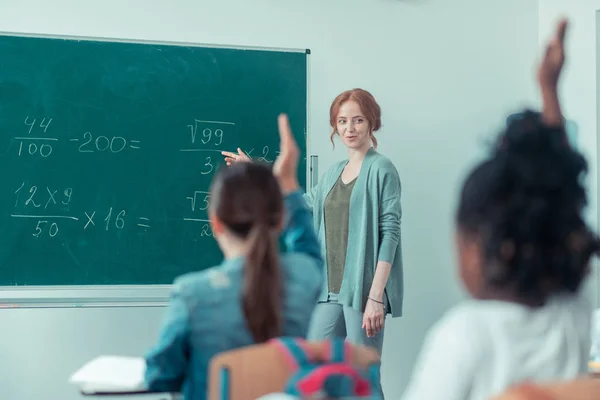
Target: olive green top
[{"x": 336, "y": 213}]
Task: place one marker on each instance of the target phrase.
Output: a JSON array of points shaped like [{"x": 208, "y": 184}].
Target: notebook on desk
[{"x": 111, "y": 374}]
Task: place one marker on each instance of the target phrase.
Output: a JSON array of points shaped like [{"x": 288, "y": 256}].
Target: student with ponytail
[{"x": 256, "y": 294}]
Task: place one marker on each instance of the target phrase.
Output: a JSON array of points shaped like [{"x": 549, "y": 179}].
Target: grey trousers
[{"x": 331, "y": 319}]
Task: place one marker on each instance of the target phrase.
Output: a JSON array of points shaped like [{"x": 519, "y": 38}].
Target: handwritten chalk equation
[
  {"x": 48, "y": 224},
  {"x": 48, "y": 206},
  {"x": 114, "y": 144},
  {"x": 43, "y": 146},
  {"x": 113, "y": 219},
  {"x": 203, "y": 136},
  {"x": 199, "y": 202},
  {"x": 39, "y": 197}
]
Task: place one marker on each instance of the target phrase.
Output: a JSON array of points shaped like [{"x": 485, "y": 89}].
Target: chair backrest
[
  {"x": 254, "y": 371},
  {"x": 587, "y": 388}
]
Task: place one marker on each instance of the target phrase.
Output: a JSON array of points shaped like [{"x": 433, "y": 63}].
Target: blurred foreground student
[
  {"x": 524, "y": 250},
  {"x": 256, "y": 293}
]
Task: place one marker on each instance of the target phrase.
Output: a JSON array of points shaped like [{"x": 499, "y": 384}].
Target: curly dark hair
[{"x": 524, "y": 203}]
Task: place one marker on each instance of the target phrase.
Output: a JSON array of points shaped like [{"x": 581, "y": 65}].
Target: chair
[
  {"x": 254, "y": 371},
  {"x": 587, "y": 388}
]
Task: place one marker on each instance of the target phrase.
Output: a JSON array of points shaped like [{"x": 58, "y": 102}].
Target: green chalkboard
[{"x": 108, "y": 149}]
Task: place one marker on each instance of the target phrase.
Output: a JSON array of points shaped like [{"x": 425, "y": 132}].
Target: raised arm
[
  {"x": 548, "y": 75},
  {"x": 299, "y": 233}
]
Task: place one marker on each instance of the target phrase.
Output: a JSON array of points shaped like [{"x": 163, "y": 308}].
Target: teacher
[{"x": 356, "y": 211}]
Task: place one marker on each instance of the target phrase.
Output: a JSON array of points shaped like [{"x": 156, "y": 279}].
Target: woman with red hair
[{"x": 356, "y": 211}]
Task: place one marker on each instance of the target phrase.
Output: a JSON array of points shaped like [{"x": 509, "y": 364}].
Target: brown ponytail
[
  {"x": 247, "y": 199},
  {"x": 262, "y": 284}
]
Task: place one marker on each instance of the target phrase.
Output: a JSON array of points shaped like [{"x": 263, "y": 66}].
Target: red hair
[{"x": 368, "y": 105}]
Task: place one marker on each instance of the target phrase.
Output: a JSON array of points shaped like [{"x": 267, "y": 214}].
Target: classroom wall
[{"x": 446, "y": 73}]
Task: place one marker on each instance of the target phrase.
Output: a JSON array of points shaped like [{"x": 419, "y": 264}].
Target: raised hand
[
  {"x": 548, "y": 74},
  {"x": 285, "y": 167},
  {"x": 554, "y": 57}
]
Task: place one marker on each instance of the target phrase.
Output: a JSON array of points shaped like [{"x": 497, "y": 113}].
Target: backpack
[{"x": 332, "y": 376}]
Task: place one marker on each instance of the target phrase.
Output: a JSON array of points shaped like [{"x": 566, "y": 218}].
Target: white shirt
[{"x": 480, "y": 348}]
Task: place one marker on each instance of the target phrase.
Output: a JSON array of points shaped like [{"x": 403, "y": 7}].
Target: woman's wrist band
[{"x": 376, "y": 301}]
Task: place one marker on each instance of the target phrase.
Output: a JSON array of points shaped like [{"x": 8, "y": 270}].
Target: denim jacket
[{"x": 205, "y": 315}]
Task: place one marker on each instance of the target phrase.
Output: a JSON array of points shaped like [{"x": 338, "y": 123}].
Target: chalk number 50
[{"x": 42, "y": 225}]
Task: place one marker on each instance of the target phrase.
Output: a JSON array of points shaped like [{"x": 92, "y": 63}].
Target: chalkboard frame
[{"x": 102, "y": 296}]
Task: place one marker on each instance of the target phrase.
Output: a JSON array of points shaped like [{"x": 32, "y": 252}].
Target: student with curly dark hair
[{"x": 524, "y": 250}]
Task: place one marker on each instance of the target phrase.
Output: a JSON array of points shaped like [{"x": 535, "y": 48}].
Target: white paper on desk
[{"x": 111, "y": 374}]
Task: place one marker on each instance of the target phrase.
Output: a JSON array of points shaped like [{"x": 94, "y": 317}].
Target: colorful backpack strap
[
  {"x": 225, "y": 383},
  {"x": 339, "y": 350},
  {"x": 374, "y": 376},
  {"x": 338, "y": 380},
  {"x": 294, "y": 350}
]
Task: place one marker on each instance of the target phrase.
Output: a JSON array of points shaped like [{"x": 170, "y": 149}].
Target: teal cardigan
[{"x": 373, "y": 230}]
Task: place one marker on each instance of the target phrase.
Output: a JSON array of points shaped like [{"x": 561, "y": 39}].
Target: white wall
[
  {"x": 579, "y": 87},
  {"x": 41, "y": 348},
  {"x": 445, "y": 72}
]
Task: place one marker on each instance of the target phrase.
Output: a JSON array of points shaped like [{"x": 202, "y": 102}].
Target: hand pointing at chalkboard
[
  {"x": 286, "y": 164},
  {"x": 240, "y": 156}
]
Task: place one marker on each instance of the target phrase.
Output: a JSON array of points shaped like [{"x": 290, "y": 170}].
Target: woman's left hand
[{"x": 373, "y": 317}]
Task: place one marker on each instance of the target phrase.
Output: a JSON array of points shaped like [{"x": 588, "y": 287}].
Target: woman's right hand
[
  {"x": 285, "y": 167},
  {"x": 240, "y": 156}
]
